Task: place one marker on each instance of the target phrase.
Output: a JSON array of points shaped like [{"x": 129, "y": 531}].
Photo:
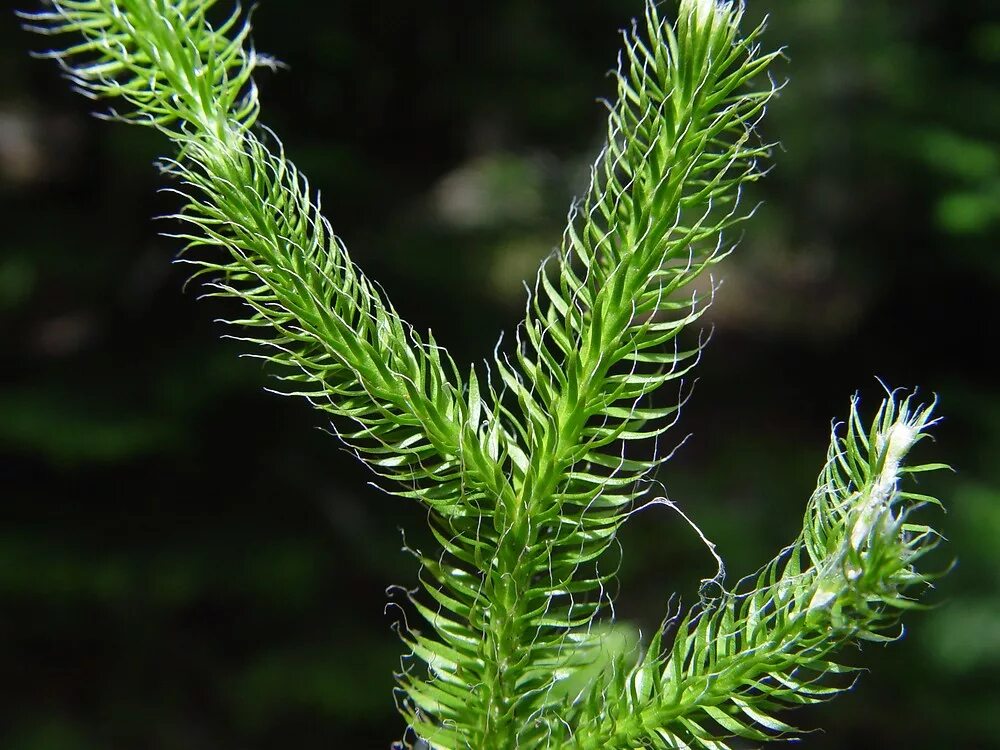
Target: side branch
[
  {"x": 742, "y": 660},
  {"x": 341, "y": 344}
]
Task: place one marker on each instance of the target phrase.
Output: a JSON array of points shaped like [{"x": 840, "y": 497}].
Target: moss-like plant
[{"x": 522, "y": 464}]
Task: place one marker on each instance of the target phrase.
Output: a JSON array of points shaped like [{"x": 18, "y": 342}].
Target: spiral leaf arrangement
[{"x": 522, "y": 464}]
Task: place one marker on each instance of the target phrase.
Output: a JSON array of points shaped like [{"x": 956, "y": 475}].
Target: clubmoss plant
[{"x": 524, "y": 465}]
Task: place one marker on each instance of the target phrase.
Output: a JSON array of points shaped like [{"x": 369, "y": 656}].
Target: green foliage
[{"x": 527, "y": 467}]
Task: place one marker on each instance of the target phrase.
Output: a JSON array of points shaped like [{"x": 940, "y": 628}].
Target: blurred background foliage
[{"x": 187, "y": 562}]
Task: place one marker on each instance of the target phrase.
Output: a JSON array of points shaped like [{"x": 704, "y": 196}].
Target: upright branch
[{"x": 602, "y": 334}]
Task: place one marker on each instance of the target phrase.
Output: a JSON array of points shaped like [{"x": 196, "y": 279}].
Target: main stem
[
  {"x": 504, "y": 653},
  {"x": 505, "y": 644}
]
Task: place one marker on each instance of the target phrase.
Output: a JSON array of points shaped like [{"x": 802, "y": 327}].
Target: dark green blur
[{"x": 188, "y": 562}]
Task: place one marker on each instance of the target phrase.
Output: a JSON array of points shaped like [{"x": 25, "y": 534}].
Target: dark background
[{"x": 188, "y": 562}]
